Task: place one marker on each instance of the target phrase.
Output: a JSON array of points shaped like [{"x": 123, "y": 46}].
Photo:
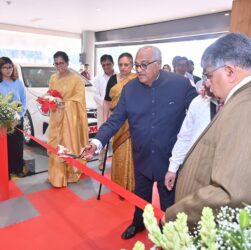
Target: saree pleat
[{"x": 122, "y": 171}]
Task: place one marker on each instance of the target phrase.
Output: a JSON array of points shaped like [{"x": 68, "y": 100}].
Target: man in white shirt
[
  {"x": 99, "y": 87},
  {"x": 201, "y": 110}
]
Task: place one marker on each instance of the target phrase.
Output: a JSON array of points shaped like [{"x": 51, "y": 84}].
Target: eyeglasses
[
  {"x": 106, "y": 64},
  {"x": 143, "y": 66},
  {"x": 181, "y": 64},
  {"x": 208, "y": 76},
  {"x": 7, "y": 67},
  {"x": 124, "y": 64},
  {"x": 58, "y": 63}
]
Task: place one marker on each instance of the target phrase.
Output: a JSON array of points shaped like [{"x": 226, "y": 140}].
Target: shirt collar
[
  {"x": 157, "y": 77},
  {"x": 243, "y": 82},
  {"x": 155, "y": 82},
  {"x": 110, "y": 75}
]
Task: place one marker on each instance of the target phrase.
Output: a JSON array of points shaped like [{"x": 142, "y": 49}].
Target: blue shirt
[
  {"x": 155, "y": 114},
  {"x": 18, "y": 90}
]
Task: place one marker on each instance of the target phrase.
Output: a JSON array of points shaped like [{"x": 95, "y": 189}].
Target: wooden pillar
[{"x": 241, "y": 17}]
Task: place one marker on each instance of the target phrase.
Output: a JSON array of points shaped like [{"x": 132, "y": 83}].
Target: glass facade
[
  {"x": 24, "y": 47},
  {"x": 192, "y": 49}
]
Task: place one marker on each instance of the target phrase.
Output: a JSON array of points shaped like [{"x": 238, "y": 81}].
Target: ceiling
[{"x": 76, "y": 16}]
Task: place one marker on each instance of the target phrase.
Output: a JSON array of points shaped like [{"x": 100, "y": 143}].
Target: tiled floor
[
  {"x": 86, "y": 188},
  {"x": 39, "y": 217},
  {"x": 16, "y": 210}
]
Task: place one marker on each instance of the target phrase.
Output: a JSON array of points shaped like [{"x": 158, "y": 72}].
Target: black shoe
[
  {"x": 20, "y": 175},
  {"x": 131, "y": 231},
  {"x": 29, "y": 173}
]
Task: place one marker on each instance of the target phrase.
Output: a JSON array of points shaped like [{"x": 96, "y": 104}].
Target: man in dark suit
[
  {"x": 190, "y": 71},
  {"x": 155, "y": 105}
]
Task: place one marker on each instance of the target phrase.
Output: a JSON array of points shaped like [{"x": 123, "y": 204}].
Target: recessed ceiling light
[
  {"x": 98, "y": 9},
  {"x": 213, "y": 10},
  {"x": 226, "y": 14}
]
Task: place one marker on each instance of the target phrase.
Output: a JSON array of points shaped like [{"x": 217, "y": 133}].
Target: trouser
[
  {"x": 15, "y": 150},
  {"x": 144, "y": 189}
]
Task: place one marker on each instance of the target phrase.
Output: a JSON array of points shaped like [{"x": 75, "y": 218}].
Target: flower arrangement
[
  {"x": 50, "y": 101},
  {"x": 229, "y": 230},
  {"x": 9, "y": 112}
]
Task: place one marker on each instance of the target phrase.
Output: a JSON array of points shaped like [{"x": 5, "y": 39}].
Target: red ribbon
[
  {"x": 131, "y": 197},
  {"x": 4, "y": 177}
]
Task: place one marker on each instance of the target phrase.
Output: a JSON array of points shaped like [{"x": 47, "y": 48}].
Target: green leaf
[
  {"x": 244, "y": 219},
  {"x": 235, "y": 242}
]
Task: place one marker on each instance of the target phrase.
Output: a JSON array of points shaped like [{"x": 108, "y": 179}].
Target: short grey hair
[
  {"x": 233, "y": 48},
  {"x": 155, "y": 51}
]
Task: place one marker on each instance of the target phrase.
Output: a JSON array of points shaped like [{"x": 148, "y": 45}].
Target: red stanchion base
[{"x": 4, "y": 176}]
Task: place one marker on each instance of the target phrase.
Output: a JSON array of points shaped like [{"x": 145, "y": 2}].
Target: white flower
[
  {"x": 229, "y": 230},
  {"x": 17, "y": 116},
  {"x": 8, "y": 111}
]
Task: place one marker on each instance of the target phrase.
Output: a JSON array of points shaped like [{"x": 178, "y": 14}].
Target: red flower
[
  {"x": 48, "y": 103},
  {"x": 54, "y": 93},
  {"x": 45, "y": 107},
  {"x": 52, "y": 105},
  {"x": 40, "y": 100}
]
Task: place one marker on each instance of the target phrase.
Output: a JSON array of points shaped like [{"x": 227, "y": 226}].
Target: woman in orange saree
[
  {"x": 67, "y": 125},
  {"x": 122, "y": 171}
]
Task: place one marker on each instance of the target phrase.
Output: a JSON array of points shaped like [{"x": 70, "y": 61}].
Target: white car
[{"x": 36, "y": 78}]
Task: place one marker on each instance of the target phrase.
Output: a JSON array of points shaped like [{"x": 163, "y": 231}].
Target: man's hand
[
  {"x": 88, "y": 151},
  {"x": 170, "y": 180}
]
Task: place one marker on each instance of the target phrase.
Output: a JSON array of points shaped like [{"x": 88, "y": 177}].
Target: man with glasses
[
  {"x": 155, "y": 105},
  {"x": 99, "y": 87},
  {"x": 217, "y": 170}
]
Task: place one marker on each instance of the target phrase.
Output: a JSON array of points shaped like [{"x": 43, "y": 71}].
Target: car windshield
[{"x": 37, "y": 77}]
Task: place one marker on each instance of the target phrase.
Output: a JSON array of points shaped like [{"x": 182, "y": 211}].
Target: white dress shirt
[
  {"x": 196, "y": 120},
  {"x": 190, "y": 77},
  {"x": 99, "y": 88}
]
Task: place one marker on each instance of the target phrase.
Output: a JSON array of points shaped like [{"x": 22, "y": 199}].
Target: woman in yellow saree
[
  {"x": 122, "y": 171},
  {"x": 68, "y": 124}
]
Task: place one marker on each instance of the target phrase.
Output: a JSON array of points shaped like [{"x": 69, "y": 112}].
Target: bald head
[
  {"x": 148, "y": 64},
  {"x": 152, "y": 51}
]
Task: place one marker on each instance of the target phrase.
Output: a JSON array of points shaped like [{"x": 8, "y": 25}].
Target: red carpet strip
[{"x": 70, "y": 223}]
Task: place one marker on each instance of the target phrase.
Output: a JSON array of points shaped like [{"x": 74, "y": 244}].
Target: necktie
[
  {"x": 219, "y": 106},
  {"x": 213, "y": 109}
]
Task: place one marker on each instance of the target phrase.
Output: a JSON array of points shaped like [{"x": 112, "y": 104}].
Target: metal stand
[{"x": 103, "y": 170}]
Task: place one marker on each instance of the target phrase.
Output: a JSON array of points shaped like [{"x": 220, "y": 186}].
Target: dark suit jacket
[
  {"x": 196, "y": 78},
  {"x": 155, "y": 115}
]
